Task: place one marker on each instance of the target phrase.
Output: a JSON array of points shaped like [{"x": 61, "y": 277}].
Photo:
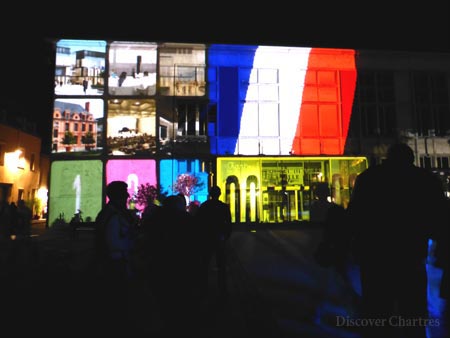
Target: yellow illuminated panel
[{"x": 279, "y": 189}]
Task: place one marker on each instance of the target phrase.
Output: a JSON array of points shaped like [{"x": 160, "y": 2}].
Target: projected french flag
[{"x": 280, "y": 100}]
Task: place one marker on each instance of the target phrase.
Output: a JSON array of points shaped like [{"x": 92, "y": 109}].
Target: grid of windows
[
  {"x": 260, "y": 101},
  {"x": 431, "y": 103},
  {"x": 374, "y": 108},
  {"x": 436, "y": 162},
  {"x": 123, "y": 104}
]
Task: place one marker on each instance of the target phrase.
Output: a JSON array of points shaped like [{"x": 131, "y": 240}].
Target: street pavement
[
  {"x": 49, "y": 289},
  {"x": 306, "y": 300}
]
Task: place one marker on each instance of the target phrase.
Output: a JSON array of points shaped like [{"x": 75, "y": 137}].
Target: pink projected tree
[
  {"x": 187, "y": 184},
  {"x": 146, "y": 194}
]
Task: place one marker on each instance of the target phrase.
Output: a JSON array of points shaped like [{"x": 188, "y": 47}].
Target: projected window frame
[
  {"x": 183, "y": 127},
  {"x": 132, "y": 68},
  {"x": 134, "y": 172},
  {"x": 75, "y": 185},
  {"x": 80, "y": 67},
  {"x": 256, "y": 187},
  {"x": 170, "y": 169},
  {"x": 182, "y": 69},
  {"x": 77, "y": 126},
  {"x": 260, "y": 102},
  {"x": 131, "y": 127}
]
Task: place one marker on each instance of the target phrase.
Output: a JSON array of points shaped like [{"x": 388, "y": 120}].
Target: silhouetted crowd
[
  {"x": 15, "y": 220},
  {"x": 175, "y": 245},
  {"x": 395, "y": 209}
]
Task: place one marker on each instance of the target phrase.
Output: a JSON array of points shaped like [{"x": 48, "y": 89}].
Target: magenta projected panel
[{"x": 134, "y": 172}]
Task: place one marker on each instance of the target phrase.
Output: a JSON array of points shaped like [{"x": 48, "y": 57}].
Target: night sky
[{"x": 27, "y": 39}]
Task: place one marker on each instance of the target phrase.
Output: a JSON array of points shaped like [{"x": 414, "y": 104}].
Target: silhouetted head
[
  {"x": 174, "y": 203},
  {"x": 400, "y": 154},
  {"x": 322, "y": 191},
  {"x": 215, "y": 192},
  {"x": 117, "y": 190},
  {"x": 182, "y": 199},
  {"x": 193, "y": 207}
]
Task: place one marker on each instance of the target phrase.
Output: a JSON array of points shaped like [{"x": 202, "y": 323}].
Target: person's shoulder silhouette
[
  {"x": 395, "y": 208},
  {"x": 214, "y": 202},
  {"x": 214, "y": 214}
]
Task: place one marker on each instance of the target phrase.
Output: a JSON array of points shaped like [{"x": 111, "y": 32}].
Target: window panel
[
  {"x": 326, "y": 78},
  {"x": 329, "y": 120},
  {"x": 311, "y": 78},
  {"x": 253, "y": 78},
  {"x": 310, "y": 94},
  {"x": 252, "y": 93},
  {"x": 268, "y": 93},
  {"x": 268, "y": 76},
  {"x": 248, "y": 146},
  {"x": 329, "y": 94},
  {"x": 268, "y": 119},
  {"x": 310, "y": 126},
  {"x": 375, "y": 98},
  {"x": 270, "y": 146},
  {"x": 250, "y": 120}
]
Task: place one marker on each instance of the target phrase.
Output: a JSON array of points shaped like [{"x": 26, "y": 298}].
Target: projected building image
[
  {"x": 265, "y": 123},
  {"x": 132, "y": 68},
  {"x": 80, "y": 67},
  {"x": 281, "y": 189},
  {"x": 131, "y": 127},
  {"x": 77, "y": 125}
]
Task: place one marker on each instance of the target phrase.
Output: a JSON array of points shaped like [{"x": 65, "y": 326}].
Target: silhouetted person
[
  {"x": 21, "y": 254},
  {"x": 24, "y": 217},
  {"x": 182, "y": 197},
  {"x": 149, "y": 211},
  {"x": 321, "y": 204},
  {"x": 122, "y": 78},
  {"x": 14, "y": 218},
  {"x": 394, "y": 209},
  {"x": 5, "y": 220},
  {"x": 333, "y": 251},
  {"x": 85, "y": 85},
  {"x": 193, "y": 207},
  {"x": 215, "y": 220},
  {"x": 114, "y": 242},
  {"x": 334, "y": 248},
  {"x": 175, "y": 266}
]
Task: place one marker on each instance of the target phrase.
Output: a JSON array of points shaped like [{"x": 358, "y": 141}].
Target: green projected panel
[{"x": 74, "y": 186}]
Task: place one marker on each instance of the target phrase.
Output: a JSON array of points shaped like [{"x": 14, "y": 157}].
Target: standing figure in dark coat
[
  {"x": 215, "y": 221},
  {"x": 85, "y": 85},
  {"x": 395, "y": 208},
  {"x": 174, "y": 266},
  {"x": 114, "y": 245},
  {"x": 122, "y": 78}
]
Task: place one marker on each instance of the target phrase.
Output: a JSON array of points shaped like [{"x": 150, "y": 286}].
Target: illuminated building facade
[
  {"x": 23, "y": 169},
  {"x": 265, "y": 123}
]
